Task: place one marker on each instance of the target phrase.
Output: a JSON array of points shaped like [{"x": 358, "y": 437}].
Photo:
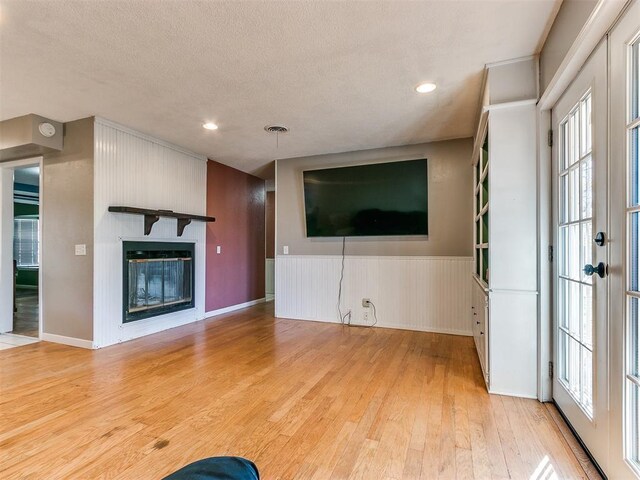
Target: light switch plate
[
  {"x": 285, "y": 250},
  {"x": 218, "y": 249},
  {"x": 81, "y": 249}
]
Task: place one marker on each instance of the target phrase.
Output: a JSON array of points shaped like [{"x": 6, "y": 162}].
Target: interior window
[{"x": 25, "y": 242}]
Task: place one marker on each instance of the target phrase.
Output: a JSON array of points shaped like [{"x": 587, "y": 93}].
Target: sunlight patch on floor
[{"x": 544, "y": 471}]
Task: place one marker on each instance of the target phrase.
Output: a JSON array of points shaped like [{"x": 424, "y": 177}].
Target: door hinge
[
  {"x": 551, "y": 370},
  {"x": 551, "y": 253},
  {"x": 550, "y": 138}
]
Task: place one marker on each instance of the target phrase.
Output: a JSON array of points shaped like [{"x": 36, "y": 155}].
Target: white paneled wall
[
  {"x": 417, "y": 293},
  {"x": 134, "y": 170}
]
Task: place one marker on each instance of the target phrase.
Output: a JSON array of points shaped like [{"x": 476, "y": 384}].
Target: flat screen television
[{"x": 367, "y": 200}]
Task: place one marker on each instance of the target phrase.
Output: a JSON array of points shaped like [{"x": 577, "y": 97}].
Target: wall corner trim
[
  {"x": 511, "y": 61},
  {"x": 514, "y": 104},
  {"x": 71, "y": 341}
]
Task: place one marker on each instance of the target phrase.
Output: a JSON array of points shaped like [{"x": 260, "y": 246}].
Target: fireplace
[{"x": 158, "y": 278}]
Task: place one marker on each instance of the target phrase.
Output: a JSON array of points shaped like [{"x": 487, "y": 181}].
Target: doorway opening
[
  {"x": 270, "y": 240},
  {"x": 20, "y": 319},
  {"x": 26, "y": 258}
]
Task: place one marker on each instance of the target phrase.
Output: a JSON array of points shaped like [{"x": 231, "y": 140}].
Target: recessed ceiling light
[
  {"x": 210, "y": 126},
  {"x": 426, "y": 87}
]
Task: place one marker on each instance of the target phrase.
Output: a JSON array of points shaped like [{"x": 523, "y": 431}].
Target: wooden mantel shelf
[{"x": 152, "y": 216}]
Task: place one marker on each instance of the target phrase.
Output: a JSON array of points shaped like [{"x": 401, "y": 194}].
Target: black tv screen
[{"x": 367, "y": 200}]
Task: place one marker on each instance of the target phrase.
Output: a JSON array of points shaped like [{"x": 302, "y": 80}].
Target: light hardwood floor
[{"x": 300, "y": 399}]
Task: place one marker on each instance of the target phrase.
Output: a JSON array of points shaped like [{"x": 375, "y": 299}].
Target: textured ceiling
[{"x": 339, "y": 74}]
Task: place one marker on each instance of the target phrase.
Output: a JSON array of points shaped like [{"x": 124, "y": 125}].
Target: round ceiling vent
[{"x": 276, "y": 129}]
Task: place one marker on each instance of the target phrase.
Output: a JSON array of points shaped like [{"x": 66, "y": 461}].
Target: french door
[
  {"x": 624, "y": 54},
  {"x": 580, "y": 174}
]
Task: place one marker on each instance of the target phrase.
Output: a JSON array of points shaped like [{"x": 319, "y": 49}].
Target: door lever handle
[{"x": 600, "y": 269}]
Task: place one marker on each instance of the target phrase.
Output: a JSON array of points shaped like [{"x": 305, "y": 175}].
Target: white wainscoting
[
  {"x": 132, "y": 169},
  {"x": 430, "y": 294}
]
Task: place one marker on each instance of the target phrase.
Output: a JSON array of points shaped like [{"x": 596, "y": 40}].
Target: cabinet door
[
  {"x": 484, "y": 336},
  {"x": 511, "y": 335},
  {"x": 479, "y": 326},
  {"x": 475, "y": 309}
]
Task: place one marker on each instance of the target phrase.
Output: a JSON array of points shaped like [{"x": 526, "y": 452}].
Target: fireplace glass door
[
  {"x": 158, "y": 279},
  {"x": 158, "y": 282}
]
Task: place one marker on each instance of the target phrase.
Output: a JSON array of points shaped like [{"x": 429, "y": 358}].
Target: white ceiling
[{"x": 339, "y": 74}]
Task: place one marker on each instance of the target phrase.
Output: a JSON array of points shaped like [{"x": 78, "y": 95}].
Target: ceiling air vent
[{"x": 276, "y": 129}]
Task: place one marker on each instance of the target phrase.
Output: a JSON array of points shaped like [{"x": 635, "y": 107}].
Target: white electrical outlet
[
  {"x": 285, "y": 250},
  {"x": 218, "y": 249},
  {"x": 81, "y": 249},
  {"x": 366, "y": 303},
  {"x": 365, "y": 317}
]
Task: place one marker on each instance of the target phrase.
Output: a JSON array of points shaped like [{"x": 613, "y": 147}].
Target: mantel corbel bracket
[
  {"x": 149, "y": 220},
  {"x": 152, "y": 216},
  {"x": 182, "y": 222}
]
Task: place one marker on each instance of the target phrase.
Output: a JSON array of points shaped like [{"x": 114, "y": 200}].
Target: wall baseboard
[
  {"x": 232, "y": 308},
  {"x": 71, "y": 341},
  {"x": 508, "y": 393},
  {"x": 419, "y": 328}
]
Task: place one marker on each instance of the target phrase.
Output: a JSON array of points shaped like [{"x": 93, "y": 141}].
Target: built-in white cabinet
[
  {"x": 504, "y": 308},
  {"x": 480, "y": 314}
]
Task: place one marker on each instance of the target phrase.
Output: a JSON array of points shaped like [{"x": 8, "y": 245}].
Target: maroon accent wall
[
  {"x": 237, "y": 200},
  {"x": 271, "y": 224}
]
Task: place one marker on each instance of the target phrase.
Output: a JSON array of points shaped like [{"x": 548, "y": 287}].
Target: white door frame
[{"x": 6, "y": 241}]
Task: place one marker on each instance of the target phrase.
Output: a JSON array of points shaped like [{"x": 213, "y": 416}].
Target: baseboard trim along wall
[
  {"x": 73, "y": 342},
  {"x": 233, "y": 308},
  {"x": 464, "y": 333},
  {"x": 430, "y": 294}
]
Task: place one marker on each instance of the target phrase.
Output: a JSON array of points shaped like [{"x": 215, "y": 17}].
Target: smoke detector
[{"x": 276, "y": 129}]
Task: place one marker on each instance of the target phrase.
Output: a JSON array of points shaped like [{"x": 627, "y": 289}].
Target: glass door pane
[
  {"x": 632, "y": 333},
  {"x": 154, "y": 283},
  {"x": 575, "y": 231},
  {"x": 137, "y": 285}
]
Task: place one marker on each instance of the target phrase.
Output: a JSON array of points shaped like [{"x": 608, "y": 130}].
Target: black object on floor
[{"x": 218, "y": 468}]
